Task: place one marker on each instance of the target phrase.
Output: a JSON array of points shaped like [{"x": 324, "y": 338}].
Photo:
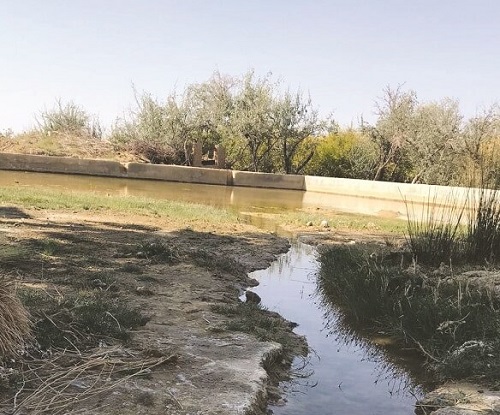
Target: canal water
[{"x": 345, "y": 373}]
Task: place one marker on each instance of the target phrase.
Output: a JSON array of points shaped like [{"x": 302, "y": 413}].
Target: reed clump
[{"x": 456, "y": 231}]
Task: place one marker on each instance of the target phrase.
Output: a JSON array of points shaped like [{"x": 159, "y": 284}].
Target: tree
[
  {"x": 261, "y": 128},
  {"x": 479, "y": 149},
  {"x": 390, "y": 133},
  {"x": 295, "y": 120},
  {"x": 251, "y": 125},
  {"x": 432, "y": 141}
]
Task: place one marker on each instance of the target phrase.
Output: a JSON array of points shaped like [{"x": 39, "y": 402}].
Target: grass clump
[
  {"x": 436, "y": 235},
  {"x": 15, "y": 326},
  {"x": 455, "y": 326},
  {"x": 85, "y": 318},
  {"x": 216, "y": 262},
  {"x": 254, "y": 319},
  {"x": 158, "y": 251},
  {"x": 482, "y": 237},
  {"x": 69, "y": 118}
]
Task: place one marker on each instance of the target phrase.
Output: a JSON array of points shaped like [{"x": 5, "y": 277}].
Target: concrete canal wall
[
  {"x": 51, "y": 164},
  {"x": 417, "y": 193}
]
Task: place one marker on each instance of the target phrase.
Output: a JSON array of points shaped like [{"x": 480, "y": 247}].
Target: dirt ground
[{"x": 190, "y": 363}]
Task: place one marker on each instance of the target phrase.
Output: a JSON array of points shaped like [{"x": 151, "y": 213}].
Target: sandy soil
[{"x": 206, "y": 369}]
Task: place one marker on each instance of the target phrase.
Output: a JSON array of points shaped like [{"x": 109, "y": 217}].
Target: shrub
[
  {"x": 343, "y": 154},
  {"x": 69, "y": 118}
]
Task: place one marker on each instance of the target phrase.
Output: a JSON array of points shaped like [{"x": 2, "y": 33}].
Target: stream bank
[{"x": 172, "y": 274}]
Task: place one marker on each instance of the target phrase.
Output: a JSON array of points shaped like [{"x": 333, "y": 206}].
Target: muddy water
[
  {"x": 346, "y": 374},
  {"x": 238, "y": 198}
]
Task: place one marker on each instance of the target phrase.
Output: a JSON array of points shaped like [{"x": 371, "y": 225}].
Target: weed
[
  {"x": 49, "y": 247},
  {"x": 131, "y": 268},
  {"x": 216, "y": 262},
  {"x": 11, "y": 255},
  {"x": 158, "y": 251}
]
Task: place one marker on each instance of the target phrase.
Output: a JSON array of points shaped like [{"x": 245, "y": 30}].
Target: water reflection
[{"x": 345, "y": 373}]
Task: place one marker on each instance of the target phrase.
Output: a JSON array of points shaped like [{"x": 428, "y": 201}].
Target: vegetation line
[{"x": 267, "y": 128}]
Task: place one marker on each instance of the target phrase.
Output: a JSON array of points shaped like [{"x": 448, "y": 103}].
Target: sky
[{"x": 341, "y": 52}]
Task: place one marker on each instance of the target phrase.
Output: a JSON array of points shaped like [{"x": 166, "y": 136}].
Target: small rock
[
  {"x": 142, "y": 290},
  {"x": 309, "y": 223},
  {"x": 98, "y": 283},
  {"x": 324, "y": 224},
  {"x": 252, "y": 297}
]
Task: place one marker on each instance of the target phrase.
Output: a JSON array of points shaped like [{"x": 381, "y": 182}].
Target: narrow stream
[{"x": 344, "y": 375}]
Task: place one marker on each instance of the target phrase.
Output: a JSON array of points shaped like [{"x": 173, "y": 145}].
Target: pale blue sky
[{"x": 342, "y": 52}]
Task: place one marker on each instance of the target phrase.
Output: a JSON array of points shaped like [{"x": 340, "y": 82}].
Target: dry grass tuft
[
  {"x": 55, "y": 385},
  {"x": 15, "y": 326}
]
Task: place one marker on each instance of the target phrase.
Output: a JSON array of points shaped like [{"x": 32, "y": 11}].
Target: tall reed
[{"x": 434, "y": 235}]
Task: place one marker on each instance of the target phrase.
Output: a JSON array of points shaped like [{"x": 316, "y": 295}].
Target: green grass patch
[{"x": 57, "y": 200}]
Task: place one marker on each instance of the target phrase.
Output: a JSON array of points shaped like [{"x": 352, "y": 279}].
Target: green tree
[
  {"x": 479, "y": 150},
  {"x": 390, "y": 133},
  {"x": 294, "y": 121}
]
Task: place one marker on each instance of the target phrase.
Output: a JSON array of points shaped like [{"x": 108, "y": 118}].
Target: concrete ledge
[
  {"x": 418, "y": 193},
  {"x": 52, "y": 164},
  {"x": 178, "y": 173},
  {"x": 267, "y": 180}
]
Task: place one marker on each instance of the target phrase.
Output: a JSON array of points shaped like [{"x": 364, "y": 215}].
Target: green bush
[{"x": 345, "y": 154}]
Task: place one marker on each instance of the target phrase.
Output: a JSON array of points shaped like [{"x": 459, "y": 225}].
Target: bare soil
[{"x": 200, "y": 367}]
